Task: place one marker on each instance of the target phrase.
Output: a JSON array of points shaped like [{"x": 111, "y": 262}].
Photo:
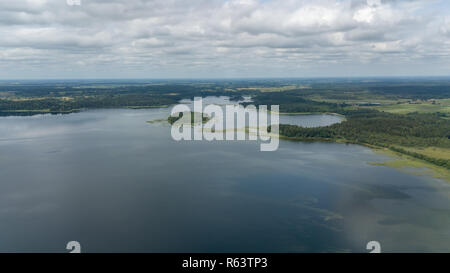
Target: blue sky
[{"x": 216, "y": 38}]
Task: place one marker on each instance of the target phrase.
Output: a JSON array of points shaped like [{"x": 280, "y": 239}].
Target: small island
[{"x": 184, "y": 116}]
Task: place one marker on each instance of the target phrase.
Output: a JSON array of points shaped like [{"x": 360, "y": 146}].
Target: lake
[{"x": 115, "y": 183}]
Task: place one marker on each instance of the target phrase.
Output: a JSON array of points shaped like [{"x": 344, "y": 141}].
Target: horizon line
[{"x": 227, "y": 78}]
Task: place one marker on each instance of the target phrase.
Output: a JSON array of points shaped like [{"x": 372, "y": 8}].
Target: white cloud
[{"x": 175, "y": 38}]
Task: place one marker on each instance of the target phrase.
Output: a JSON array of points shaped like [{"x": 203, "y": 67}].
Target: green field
[
  {"x": 424, "y": 107},
  {"x": 412, "y": 165},
  {"x": 435, "y": 152}
]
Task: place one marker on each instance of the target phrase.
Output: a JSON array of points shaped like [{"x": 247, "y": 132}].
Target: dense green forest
[
  {"x": 294, "y": 102},
  {"x": 102, "y": 101}
]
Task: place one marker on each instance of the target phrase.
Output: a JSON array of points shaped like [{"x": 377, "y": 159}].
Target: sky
[{"x": 52, "y": 39}]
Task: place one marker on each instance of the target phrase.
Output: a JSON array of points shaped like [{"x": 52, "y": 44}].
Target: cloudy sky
[{"x": 223, "y": 38}]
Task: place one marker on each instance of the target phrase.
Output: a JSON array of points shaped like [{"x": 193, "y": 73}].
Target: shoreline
[
  {"x": 399, "y": 160},
  {"x": 21, "y": 113}
]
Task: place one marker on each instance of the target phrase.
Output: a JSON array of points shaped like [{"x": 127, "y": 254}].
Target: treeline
[
  {"x": 80, "y": 89},
  {"x": 436, "y": 161},
  {"x": 67, "y": 97},
  {"x": 103, "y": 101},
  {"x": 417, "y": 91},
  {"x": 382, "y": 129},
  {"x": 407, "y": 88},
  {"x": 291, "y": 102}
]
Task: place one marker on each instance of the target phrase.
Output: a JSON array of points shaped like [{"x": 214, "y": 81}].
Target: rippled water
[{"x": 114, "y": 183}]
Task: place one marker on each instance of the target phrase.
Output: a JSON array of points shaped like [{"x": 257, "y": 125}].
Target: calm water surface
[{"x": 114, "y": 183}]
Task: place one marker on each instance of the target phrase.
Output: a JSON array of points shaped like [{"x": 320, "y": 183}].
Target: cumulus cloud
[{"x": 215, "y": 38}]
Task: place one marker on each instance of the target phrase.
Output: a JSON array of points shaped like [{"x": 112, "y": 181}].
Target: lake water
[
  {"x": 115, "y": 183},
  {"x": 312, "y": 120}
]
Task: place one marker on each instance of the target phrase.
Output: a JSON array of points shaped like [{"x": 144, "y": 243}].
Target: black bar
[{"x": 229, "y": 262}]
